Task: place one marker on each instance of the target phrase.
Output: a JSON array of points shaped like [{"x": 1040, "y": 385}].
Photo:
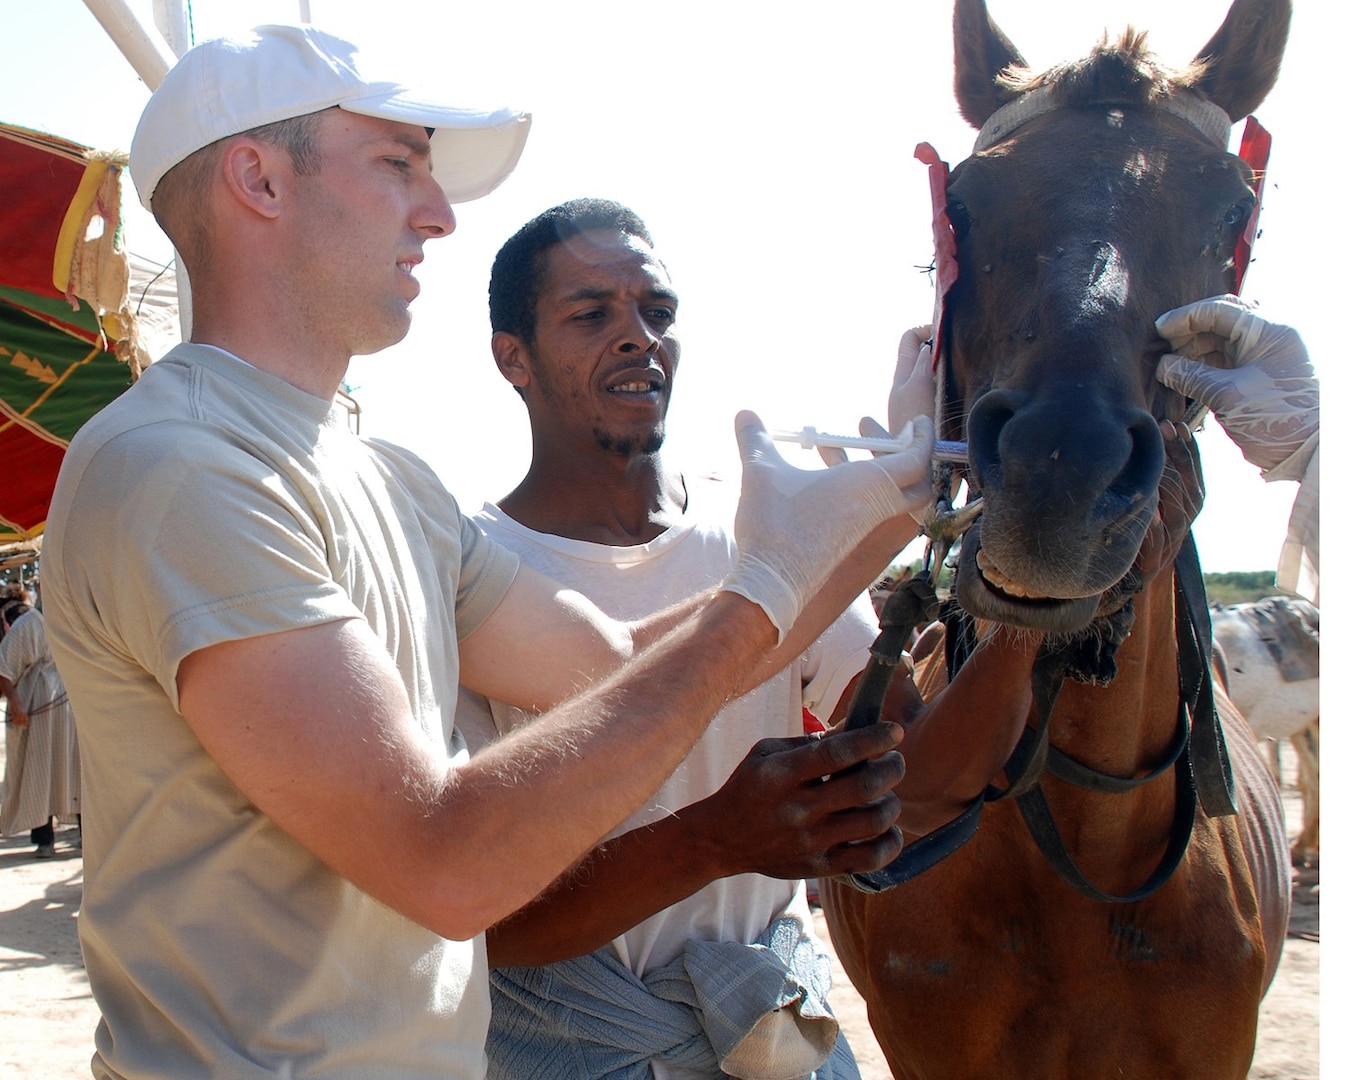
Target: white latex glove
[
  {"x": 913, "y": 393},
  {"x": 1253, "y": 374},
  {"x": 794, "y": 526},
  {"x": 1300, "y": 567}
]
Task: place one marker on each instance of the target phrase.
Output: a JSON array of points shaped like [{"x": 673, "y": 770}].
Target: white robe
[{"x": 42, "y": 760}]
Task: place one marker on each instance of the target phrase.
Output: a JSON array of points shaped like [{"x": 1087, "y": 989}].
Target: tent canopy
[{"x": 74, "y": 308}]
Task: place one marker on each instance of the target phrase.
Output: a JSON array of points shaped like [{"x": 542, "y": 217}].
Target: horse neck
[{"x": 1126, "y": 727}]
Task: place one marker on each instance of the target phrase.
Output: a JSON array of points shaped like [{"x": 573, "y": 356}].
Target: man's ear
[
  {"x": 257, "y": 174},
  {"x": 512, "y": 358}
]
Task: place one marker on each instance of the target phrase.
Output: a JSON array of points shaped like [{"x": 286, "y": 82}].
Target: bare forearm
[
  {"x": 773, "y": 815},
  {"x": 645, "y": 632},
  {"x": 961, "y": 739},
  {"x": 615, "y": 887},
  {"x": 854, "y": 575},
  {"x": 454, "y": 846},
  {"x": 540, "y": 798},
  {"x": 584, "y": 644}
]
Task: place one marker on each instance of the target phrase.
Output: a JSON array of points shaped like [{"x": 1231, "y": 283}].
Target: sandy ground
[{"x": 47, "y": 1015}]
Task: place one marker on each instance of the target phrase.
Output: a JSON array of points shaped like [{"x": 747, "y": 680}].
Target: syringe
[{"x": 809, "y": 438}]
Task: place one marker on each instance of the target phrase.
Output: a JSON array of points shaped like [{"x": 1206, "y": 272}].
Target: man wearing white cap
[{"x": 262, "y": 620}]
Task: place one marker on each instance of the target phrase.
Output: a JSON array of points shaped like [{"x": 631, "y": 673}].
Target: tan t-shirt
[{"x": 213, "y": 502}]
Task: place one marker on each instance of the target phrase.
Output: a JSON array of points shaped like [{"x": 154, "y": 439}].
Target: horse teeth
[{"x": 1001, "y": 581}]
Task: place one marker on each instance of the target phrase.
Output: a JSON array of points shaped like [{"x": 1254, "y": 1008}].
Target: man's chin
[
  {"x": 371, "y": 345},
  {"x": 630, "y": 445}
]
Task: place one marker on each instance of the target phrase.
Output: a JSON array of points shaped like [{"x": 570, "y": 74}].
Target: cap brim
[{"x": 472, "y": 150}]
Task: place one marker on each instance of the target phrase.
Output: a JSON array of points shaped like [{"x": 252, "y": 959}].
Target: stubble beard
[{"x": 632, "y": 445}]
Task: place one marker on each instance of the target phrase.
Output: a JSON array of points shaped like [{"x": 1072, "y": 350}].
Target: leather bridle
[{"x": 1197, "y": 755}]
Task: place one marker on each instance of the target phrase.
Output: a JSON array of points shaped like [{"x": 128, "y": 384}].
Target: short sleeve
[
  {"x": 226, "y": 549},
  {"x": 486, "y": 571}
]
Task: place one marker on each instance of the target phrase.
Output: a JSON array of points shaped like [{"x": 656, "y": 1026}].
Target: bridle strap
[
  {"x": 1060, "y": 765},
  {"x": 945, "y": 266},
  {"x": 1212, "y": 770},
  {"x": 1201, "y": 113},
  {"x": 911, "y": 603},
  {"x": 1041, "y": 824}
]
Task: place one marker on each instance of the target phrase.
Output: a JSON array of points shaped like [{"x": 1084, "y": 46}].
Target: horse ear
[
  {"x": 1243, "y": 57},
  {"x": 982, "y": 52}
]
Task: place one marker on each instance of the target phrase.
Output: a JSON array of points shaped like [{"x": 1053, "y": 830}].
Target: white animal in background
[{"x": 1269, "y": 653}]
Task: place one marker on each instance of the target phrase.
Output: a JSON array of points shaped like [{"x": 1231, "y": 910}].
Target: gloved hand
[
  {"x": 794, "y": 526},
  {"x": 913, "y": 393},
  {"x": 1253, "y": 374}
]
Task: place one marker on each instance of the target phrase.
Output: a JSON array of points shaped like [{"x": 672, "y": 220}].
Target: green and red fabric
[{"x": 58, "y": 359}]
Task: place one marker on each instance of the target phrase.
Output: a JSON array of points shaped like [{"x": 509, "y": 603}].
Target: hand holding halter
[{"x": 1255, "y": 376}]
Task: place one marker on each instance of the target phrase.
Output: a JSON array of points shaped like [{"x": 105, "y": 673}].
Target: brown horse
[{"x": 1100, "y": 195}]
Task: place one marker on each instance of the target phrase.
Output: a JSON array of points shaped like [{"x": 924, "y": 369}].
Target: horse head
[{"x": 1100, "y": 195}]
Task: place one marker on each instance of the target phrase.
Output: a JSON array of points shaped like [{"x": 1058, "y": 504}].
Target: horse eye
[
  {"x": 959, "y": 215},
  {"x": 1238, "y": 214}
]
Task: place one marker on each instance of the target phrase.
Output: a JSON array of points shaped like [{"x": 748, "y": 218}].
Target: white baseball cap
[{"x": 227, "y": 86}]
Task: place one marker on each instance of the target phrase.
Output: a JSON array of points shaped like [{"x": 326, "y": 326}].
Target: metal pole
[
  {"x": 151, "y": 56},
  {"x": 146, "y": 50},
  {"x": 172, "y": 19}
]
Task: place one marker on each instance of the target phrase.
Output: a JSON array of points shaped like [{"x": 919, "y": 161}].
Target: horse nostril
[
  {"x": 988, "y": 417},
  {"x": 1056, "y": 454},
  {"x": 1143, "y": 468}
]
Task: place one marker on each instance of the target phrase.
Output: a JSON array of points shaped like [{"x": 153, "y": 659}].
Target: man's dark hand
[{"x": 813, "y": 806}]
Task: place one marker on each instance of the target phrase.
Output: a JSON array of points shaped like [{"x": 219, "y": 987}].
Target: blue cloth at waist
[{"x": 593, "y": 1018}]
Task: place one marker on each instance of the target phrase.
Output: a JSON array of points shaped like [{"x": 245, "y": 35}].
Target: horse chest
[{"x": 989, "y": 966}]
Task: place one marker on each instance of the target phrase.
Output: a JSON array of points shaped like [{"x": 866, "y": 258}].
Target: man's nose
[
  {"x": 637, "y": 333},
  {"x": 435, "y": 216}
]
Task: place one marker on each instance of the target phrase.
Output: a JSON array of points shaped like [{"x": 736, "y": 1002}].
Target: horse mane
[{"x": 1123, "y": 72}]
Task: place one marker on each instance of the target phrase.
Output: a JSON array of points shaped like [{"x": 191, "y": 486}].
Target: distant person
[
  {"x": 1255, "y": 377},
  {"x": 42, "y": 753},
  {"x": 290, "y": 858},
  {"x": 683, "y": 946}
]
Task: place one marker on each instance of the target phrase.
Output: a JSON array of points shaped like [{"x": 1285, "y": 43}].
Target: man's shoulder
[
  {"x": 192, "y": 385},
  {"x": 151, "y": 397}
]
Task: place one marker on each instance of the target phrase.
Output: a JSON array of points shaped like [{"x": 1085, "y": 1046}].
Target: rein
[{"x": 1197, "y": 755}]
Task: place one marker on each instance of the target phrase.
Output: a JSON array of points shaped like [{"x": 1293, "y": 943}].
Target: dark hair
[
  {"x": 513, "y": 290},
  {"x": 11, "y": 610}
]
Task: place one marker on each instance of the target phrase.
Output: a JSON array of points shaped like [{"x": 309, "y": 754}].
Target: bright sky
[{"x": 769, "y": 148}]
